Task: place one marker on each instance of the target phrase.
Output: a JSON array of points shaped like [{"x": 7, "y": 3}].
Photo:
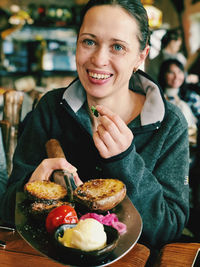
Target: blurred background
[
  {"x": 37, "y": 54},
  {"x": 38, "y": 43},
  {"x": 38, "y": 38}
]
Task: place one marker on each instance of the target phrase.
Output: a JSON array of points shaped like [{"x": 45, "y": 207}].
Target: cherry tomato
[{"x": 61, "y": 215}]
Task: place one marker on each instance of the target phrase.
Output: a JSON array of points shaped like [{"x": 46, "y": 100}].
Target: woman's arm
[
  {"x": 157, "y": 181},
  {"x": 30, "y": 158}
]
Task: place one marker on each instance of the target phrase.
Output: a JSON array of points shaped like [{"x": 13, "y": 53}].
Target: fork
[
  {"x": 7, "y": 228},
  {"x": 2, "y": 244}
]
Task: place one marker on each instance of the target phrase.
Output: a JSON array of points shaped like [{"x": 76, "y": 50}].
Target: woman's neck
[{"x": 128, "y": 106}]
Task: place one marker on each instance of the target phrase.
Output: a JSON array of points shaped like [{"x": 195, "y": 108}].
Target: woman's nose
[
  {"x": 176, "y": 75},
  {"x": 100, "y": 57}
]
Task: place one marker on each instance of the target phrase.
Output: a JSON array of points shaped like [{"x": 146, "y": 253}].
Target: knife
[
  {"x": 62, "y": 177},
  {"x": 66, "y": 179}
]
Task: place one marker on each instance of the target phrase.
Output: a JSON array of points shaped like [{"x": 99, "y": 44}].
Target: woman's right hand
[{"x": 47, "y": 166}]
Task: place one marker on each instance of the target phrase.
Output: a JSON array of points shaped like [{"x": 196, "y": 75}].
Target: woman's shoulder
[
  {"x": 58, "y": 92},
  {"x": 52, "y": 97},
  {"x": 175, "y": 115}
]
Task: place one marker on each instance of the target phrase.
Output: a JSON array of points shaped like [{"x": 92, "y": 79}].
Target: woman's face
[
  {"x": 107, "y": 51},
  {"x": 174, "y": 77},
  {"x": 174, "y": 46}
]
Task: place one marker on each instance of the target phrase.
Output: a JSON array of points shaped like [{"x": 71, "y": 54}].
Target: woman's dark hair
[
  {"x": 164, "y": 68},
  {"x": 173, "y": 34},
  {"x": 133, "y": 7}
]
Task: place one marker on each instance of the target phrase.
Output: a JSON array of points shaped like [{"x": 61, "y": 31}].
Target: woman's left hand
[
  {"x": 112, "y": 136},
  {"x": 47, "y": 166}
]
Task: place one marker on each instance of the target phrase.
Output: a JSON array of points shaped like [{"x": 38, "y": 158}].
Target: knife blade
[
  {"x": 62, "y": 177},
  {"x": 66, "y": 179}
]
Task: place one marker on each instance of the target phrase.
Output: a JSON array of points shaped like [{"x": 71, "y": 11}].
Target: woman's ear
[
  {"x": 145, "y": 52},
  {"x": 142, "y": 56}
]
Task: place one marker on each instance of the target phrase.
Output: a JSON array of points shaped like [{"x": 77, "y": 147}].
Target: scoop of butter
[{"x": 87, "y": 235}]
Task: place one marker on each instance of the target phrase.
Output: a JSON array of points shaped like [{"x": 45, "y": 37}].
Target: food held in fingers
[{"x": 94, "y": 111}]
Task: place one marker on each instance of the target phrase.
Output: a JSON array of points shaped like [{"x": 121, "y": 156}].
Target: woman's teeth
[{"x": 99, "y": 76}]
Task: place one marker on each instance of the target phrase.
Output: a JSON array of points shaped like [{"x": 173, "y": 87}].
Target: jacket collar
[{"x": 153, "y": 110}]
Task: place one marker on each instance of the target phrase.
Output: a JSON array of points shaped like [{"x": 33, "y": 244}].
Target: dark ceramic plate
[
  {"x": 36, "y": 235},
  {"x": 91, "y": 256}
]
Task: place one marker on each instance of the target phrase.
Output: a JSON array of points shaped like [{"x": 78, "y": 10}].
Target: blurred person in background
[
  {"x": 185, "y": 96},
  {"x": 172, "y": 81},
  {"x": 171, "y": 44}
]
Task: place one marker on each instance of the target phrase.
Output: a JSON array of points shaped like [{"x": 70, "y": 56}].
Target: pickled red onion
[{"x": 109, "y": 219}]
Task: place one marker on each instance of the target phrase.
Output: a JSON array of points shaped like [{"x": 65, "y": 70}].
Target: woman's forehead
[{"x": 105, "y": 19}]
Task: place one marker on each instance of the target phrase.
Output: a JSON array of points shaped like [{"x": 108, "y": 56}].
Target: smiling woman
[
  {"x": 139, "y": 138},
  {"x": 106, "y": 59}
]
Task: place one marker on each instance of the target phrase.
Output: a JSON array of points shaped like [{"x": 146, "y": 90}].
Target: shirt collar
[{"x": 153, "y": 109}]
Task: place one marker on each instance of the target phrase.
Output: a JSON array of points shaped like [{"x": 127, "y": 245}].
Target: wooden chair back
[{"x": 11, "y": 118}]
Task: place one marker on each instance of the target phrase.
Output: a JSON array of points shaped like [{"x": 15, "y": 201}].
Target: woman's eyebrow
[
  {"x": 119, "y": 40},
  {"x": 113, "y": 39},
  {"x": 90, "y": 34}
]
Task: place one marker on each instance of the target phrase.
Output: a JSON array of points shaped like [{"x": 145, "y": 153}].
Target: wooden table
[
  {"x": 19, "y": 254},
  {"x": 177, "y": 255}
]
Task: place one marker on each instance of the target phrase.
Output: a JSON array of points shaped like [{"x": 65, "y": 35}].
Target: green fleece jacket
[{"x": 154, "y": 168}]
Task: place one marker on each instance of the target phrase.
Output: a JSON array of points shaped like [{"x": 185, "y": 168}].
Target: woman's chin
[{"x": 95, "y": 94}]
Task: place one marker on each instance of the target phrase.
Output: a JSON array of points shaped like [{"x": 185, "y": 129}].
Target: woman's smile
[
  {"x": 97, "y": 77},
  {"x": 107, "y": 55}
]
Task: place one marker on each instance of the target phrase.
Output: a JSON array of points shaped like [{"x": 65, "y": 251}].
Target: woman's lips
[{"x": 98, "y": 78}]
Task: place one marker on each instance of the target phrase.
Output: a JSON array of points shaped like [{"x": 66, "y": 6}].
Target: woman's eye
[
  {"x": 118, "y": 47},
  {"x": 88, "y": 42}
]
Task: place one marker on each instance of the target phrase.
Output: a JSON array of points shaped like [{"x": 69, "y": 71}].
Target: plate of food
[{"x": 90, "y": 228}]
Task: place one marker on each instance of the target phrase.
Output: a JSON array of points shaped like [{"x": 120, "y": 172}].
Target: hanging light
[
  {"x": 19, "y": 16},
  {"x": 147, "y": 2},
  {"x": 154, "y": 14}
]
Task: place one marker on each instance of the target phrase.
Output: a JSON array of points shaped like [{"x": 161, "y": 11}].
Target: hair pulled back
[{"x": 133, "y": 7}]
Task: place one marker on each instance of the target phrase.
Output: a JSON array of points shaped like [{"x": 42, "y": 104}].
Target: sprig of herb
[{"x": 94, "y": 111}]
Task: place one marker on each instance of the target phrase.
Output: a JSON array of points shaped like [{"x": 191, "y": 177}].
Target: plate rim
[{"x": 111, "y": 258}]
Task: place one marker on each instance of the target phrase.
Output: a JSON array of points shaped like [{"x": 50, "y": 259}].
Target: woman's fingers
[
  {"x": 112, "y": 136},
  {"x": 47, "y": 166},
  {"x": 119, "y": 123},
  {"x": 77, "y": 180},
  {"x": 100, "y": 145},
  {"x": 107, "y": 129}
]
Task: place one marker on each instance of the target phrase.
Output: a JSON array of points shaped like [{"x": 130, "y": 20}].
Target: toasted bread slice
[
  {"x": 39, "y": 209},
  {"x": 100, "y": 194},
  {"x": 45, "y": 191}
]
